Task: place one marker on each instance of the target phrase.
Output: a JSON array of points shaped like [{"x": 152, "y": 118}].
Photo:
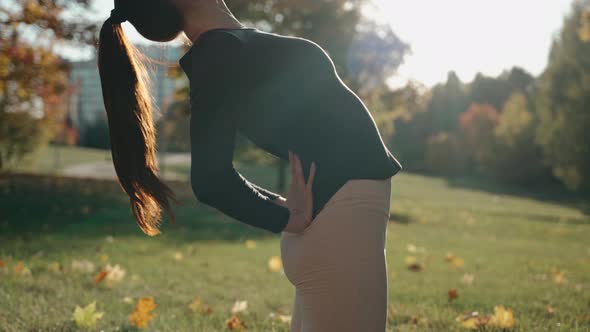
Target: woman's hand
[{"x": 299, "y": 201}]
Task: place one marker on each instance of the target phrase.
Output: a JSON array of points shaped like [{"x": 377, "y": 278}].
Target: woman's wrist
[{"x": 280, "y": 201}]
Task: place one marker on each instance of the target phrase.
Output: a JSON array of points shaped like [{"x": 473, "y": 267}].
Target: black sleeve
[
  {"x": 213, "y": 128},
  {"x": 264, "y": 191}
]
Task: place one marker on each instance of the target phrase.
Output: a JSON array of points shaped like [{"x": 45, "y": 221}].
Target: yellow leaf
[
  {"x": 558, "y": 276},
  {"x": 142, "y": 313},
  {"x": 195, "y": 304},
  {"x": 502, "y": 318},
  {"x": 410, "y": 260},
  {"x": 472, "y": 320},
  {"x": 54, "y": 267},
  {"x": 413, "y": 264},
  {"x": 250, "y": 244},
  {"x": 280, "y": 317},
  {"x": 178, "y": 256},
  {"x": 20, "y": 269},
  {"x": 86, "y": 317},
  {"x": 458, "y": 262},
  {"x": 275, "y": 264},
  {"x": 449, "y": 257}
]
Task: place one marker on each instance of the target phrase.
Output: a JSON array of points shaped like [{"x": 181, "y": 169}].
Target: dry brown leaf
[
  {"x": 453, "y": 294},
  {"x": 100, "y": 276},
  {"x": 235, "y": 324}
]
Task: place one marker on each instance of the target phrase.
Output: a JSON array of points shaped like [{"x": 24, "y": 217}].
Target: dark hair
[{"x": 128, "y": 103}]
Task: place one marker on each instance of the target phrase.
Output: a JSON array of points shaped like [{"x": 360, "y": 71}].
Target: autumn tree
[
  {"x": 563, "y": 99},
  {"x": 477, "y": 126},
  {"x": 518, "y": 157},
  {"x": 448, "y": 101},
  {"x": 33, "y": 79}
]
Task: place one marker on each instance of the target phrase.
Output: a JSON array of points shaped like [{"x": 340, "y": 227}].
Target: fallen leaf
[
  {"x": 83, "y": 266},
  {"x": 86, "y": 317},
  {"x": 275, "y": 264},
  {"x": 453, "y": 294},
  {"x": 239, "y": 306},
  {"x": 142, "y": 313},
  {"x": 410, "y": 260},
  {"x": 558, "y": 276},
  {"x": 280, "y": 317},
  {"x": 21, "y": 270},
  {"x": 178, "y": 256},
  {"x": 207, "y": 310},
  {"x": 472, "y": 320},
  {"x": 449, "y": 257},
  {"x": 413, "y": 264},
  {"x": 195, "y": 304},
  {"x": 458, "y": 262},
  {"x": 2, "y": 264},
  {"x": 502, "y": 318},
  {"x": 114, "y": 274},
  {"x": 54, "y": 267},
  {"x": 100, "y": 276},
  {"x": 250, "y": 244},
  {"x": 235, "y": 324},
  {"x": 468, "y": 279},
  {"x": 128, "y": 300},
  {"x": 104, "y": 258},
  {"x": 550, "y": 310}
]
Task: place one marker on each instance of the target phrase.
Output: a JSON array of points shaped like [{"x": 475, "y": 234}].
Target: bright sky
[
  {"x": 470, "y": 36},
  {"x": 467, "y": 36}
]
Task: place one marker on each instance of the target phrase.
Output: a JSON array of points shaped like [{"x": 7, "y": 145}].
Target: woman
[{"x": 285, "y": 95}]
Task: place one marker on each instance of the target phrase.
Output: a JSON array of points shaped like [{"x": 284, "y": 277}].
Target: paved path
[{"x": 106, "y": 170}]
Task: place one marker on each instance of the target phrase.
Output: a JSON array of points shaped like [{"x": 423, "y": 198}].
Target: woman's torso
[{"x": 290, "y": 97}]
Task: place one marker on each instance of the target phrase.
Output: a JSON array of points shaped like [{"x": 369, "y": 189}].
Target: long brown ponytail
[{"x": 128, "y": 103}]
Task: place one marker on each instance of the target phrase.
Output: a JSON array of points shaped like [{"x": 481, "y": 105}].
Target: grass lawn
[
  {"x": 528, "y": 252},
  {"x": 54, "y": 158}
]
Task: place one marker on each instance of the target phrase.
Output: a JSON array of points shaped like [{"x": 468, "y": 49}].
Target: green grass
[{"x": 509, "y": 242}]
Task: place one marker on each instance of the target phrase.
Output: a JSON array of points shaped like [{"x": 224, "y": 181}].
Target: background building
[{"x": 86, "y": 105}]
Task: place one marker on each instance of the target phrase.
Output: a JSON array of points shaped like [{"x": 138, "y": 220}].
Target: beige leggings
[{"x": 337, "y": 264}]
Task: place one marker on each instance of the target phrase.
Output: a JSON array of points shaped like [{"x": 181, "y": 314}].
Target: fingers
[
  {"x": 297, "y": 175},
  {"x": 296, "y": 170},
  {"x": 300, "y": 176},
  {"x": 293, "y": 170},
  {"x": 311, "y": 176}
]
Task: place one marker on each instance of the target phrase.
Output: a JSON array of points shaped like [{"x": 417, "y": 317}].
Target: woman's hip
[{"x": 348, "y": 232}]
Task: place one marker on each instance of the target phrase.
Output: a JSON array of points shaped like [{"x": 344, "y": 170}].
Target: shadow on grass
[
  {"x": 401, "y": 218},
  {"x": 549, "y": 192},
  {"x": 32, "y": 205}
]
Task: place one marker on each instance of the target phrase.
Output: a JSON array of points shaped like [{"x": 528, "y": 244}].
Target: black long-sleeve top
[{"x": 283, "y": 93}]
